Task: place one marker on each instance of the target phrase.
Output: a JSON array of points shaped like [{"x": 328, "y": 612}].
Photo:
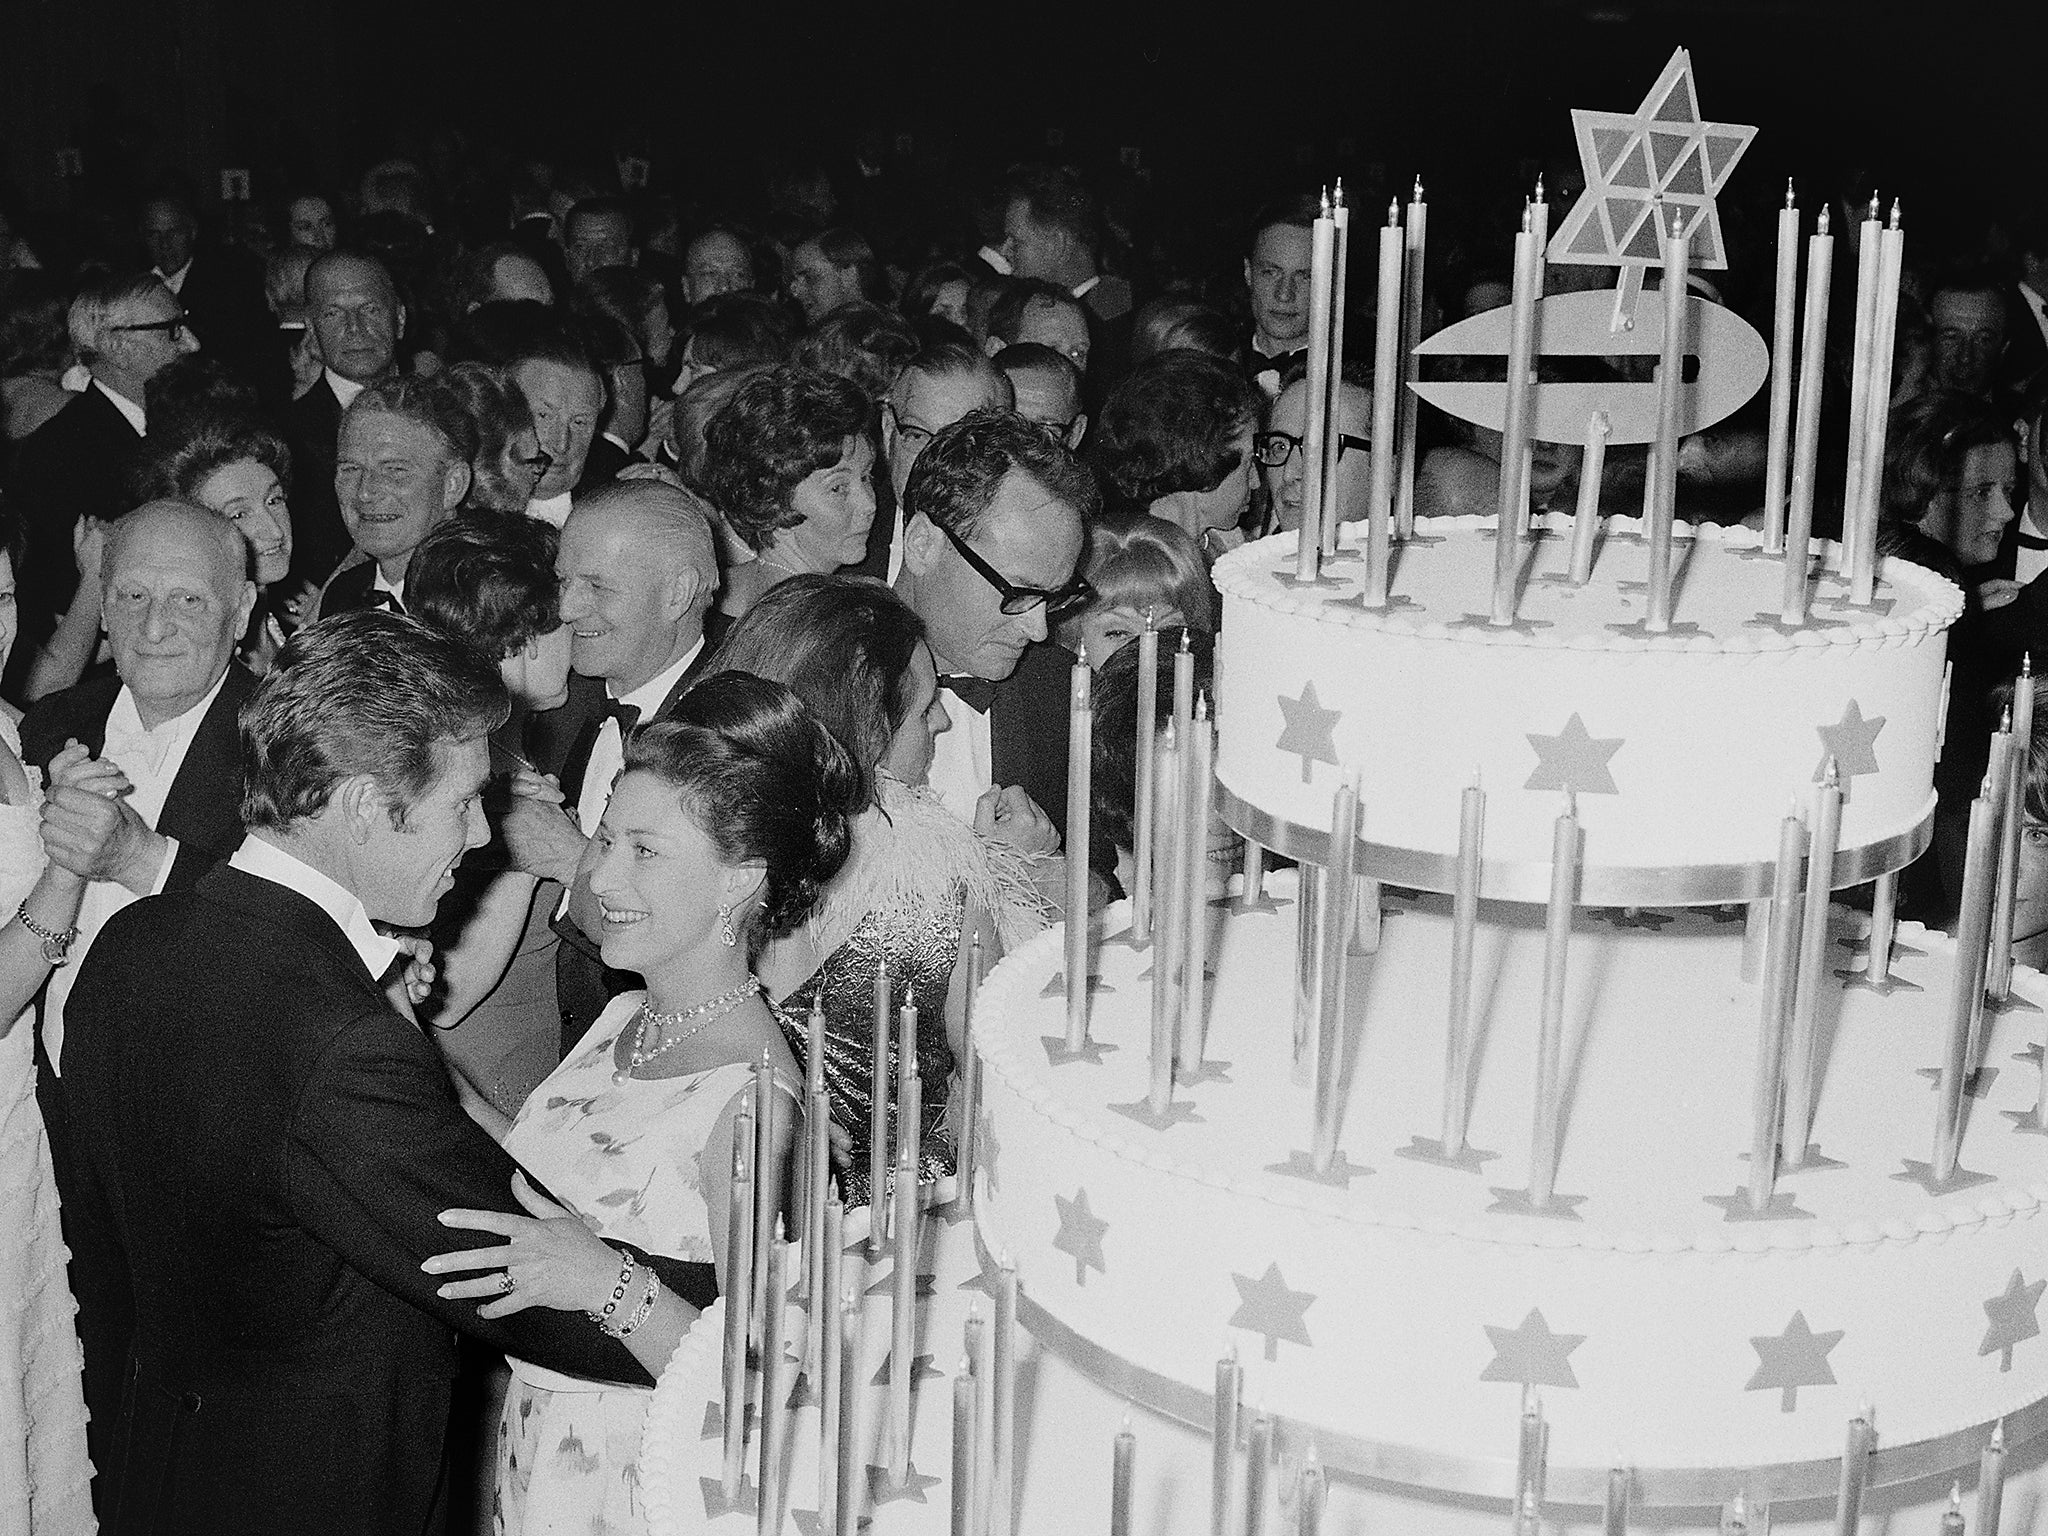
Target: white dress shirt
[
  {"x": 345, "y": 390},
  {"x": 962, "y": 768},
  {"x": 553, "y": 510},
  {"x": 175, "y": 281},
  {"x": 378, "y": 583},
  {"x": 608, "y": 752},
  {"x": 129, "y": 410},
  {"x": 2029, "y": 563},
  {"x": 267, "y": 861},
  {"x": 151, "y": 759}
]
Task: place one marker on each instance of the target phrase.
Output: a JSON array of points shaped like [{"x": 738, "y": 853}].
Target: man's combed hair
[
  {"x": 426, "y": 402},
  {"x": 958, "y": 474},
  {"x": 361, "y": 695},
  {"x": 95, "y": 306},
  {"x": 1171, "y": 426}
]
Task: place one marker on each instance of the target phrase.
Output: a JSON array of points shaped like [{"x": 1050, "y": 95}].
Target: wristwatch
[{"x": 56, "y": 943}]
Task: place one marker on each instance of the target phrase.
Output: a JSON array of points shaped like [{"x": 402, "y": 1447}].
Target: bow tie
[
  {"x": 139, "y": 749},
  {"x": 1277, "y": 364},
  {"x": 977, "y": 693},
  {"x": 379, "y": 597},
  {"x": 628, "y": 716}
]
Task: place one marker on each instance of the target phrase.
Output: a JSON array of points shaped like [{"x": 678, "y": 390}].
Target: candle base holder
[
  {"x": 1202, "y": 1072},
  {"x": 1394, "y": 603},
  {"x": 885, "y": 1488},
  {"x": 1127, "y": 940},
  {"x": 1523, "y": 1202},
  {"x": 1302, "y": 1165},
  {"x": 1056, "y": 985},
  {"x": 714, "y": 1422},
  {"x": 1090, "y": 1051},
  {"x": 1640, "y": 630},
  {"x": 717, "y": 1502},
  {"x": 2026, "y": 1122},
  {"x": 1179, "y": 1112},
  {"x": 1776, "y": 621},
  {"x": 1515, "y": 626},
  {"x": 2011, "y": 1003},
  {"x": 1885, "y": 986},
  {"x": 921, "y": 1369},
  {"x": 1328, "y": 583},
  {"x": 1812, "y": 1160},
  {"x": 1427, "y": 1149},
  {"x": 1976, "y": 1085},
  {"x": 1923, "y": 1174},
  {"x": 1738, "y": 1207},
  {"x": 1859, "y": 944}
]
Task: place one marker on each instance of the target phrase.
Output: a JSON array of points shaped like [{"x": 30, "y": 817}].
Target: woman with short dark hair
[
  {"x": 789, "y": 465},
  {"x": 1175, "y": 441}
]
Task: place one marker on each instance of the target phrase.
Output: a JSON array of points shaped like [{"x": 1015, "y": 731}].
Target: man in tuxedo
[
  {"x": 2026, "y": 355},
  {"x": 617, "y": 352},
  {"x": 176, "y": 603},
  {"x": 1048, "y": 388},
  {"x": 403, "y": 465},
  {"x": 566, "y": 392},
  {"x": 270, "y": 1140},
  {"x": 939, "y": 386},
  {"x": 1971, "y": 326},
  {"x": 639, "y": 570},
  {"x": 598, "y": 232},
  {"x": 1052, "y": 230},
  {"x": 357, "y": 319},
  {"x": 78, "y": 463},
  {"x": 222, "y": 291},
  {"x": 997, "y": 509},
  {"x": 1276, "y": 276}
]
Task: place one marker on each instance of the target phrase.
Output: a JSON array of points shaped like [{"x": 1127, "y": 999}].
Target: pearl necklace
[{"x": 709, "y": 1012}]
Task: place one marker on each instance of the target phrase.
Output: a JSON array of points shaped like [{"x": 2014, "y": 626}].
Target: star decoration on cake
[
  {"x": 2013, "y": 1319},
  {"x": 920, "y": 1287},
  {"x": 1796, "y": 1358},
  {"x": 882, "y": 1490},
  {"x": 1267, "y": 1307},
  {"x": 1574, "y": 760},
  {"x": 1663, "y": 154},
  {"x": 745, "y": 1502},
  {"x": 1311, "y": 730},
  {"x": 714, "y": 1421},
  {"x": 1056, "y": 985},
  {"x": 1090, "y": 1050},
  {"x": 921, "y": 1369},
  {"x": 1080, "y": 1235},
  {"x": 1851, "y": 742},
  {"x": 1531, "y": 1354}
]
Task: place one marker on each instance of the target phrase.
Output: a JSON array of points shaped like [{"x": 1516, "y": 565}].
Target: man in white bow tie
[{"x": 176, "y": 602}]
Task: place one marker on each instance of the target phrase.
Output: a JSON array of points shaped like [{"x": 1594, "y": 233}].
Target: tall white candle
[
  {"x": 1586, "y": 516},
  {"x": 1308, "y": 563},
  {"x": 1670, "y": 395},
  {"x": 1464, "y": 935},
  {"x": 1142, "y": 813},
  {"x": 1385, "y": 392},
  {"x": 1557, "y": 937},
  {"x": 1080, "y": 776},
  {"x": 1780, "y": 967},
  {"x": 1813, "y": 367},
  {"x": 1784, "y": 320},
  {"x": 968, "y": 1121},
  {"x": 1813, "y": 958},
  {"x": 879, "y": 1086},
  {"x": 1868, "y": 257},
  {"x": 1507, "y": 548},
  {"x": 1991, "y": 1482},
  {"x": 824, "y": 1323},
  {"x": 903, "y": 1299},
  {"x": 1998, "y": 977},
  {"x": 767, "y": 1196},
  {"x": 1003, "y": 1454},
  {"x": 1199, "y": 758},
  {"x": 962, "y": 1489},
  {"x": 1878, "y": 401},
  {"x": 1340, "y": 883},
  {"x": 738, "y": 1290},
  {"x": 1855, "y": 1474},
  {"x": 1416, "y": 229},
  {"x": 1340, "y": 263},
  {"x": 1122, "y": 1480},
  {"x": 774, "y": 1391},
  {"x": 1171, "y": 932},
  {"x": 851, "y": 1446},
  {"x": 1966, "y": 994},
  {"x": 1223, "y": 1444}
]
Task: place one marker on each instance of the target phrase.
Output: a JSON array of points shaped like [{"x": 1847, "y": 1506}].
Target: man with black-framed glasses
[
  {"x": 78, "y": 463},
  {"x": 995, "y": 513},
  {"x": 1278, "y": 449}
]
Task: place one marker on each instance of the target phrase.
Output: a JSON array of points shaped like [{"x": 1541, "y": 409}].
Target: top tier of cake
[{"x": 1684, "y": 749}]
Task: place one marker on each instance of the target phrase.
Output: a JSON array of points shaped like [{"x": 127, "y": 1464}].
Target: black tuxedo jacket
[
  {"x": 269, "y": 1145},
  {"x": 1029, "y": 724},
  {"x": 79, "y": 463},
  {"x": 312, "y": 423},
  {"x": 204, "y": 808},
  {"x": 348, "y": 590},
  {"x": 223, "y": 299},
  {"x": 602, "y": 464},
  {"x": 2025, "y": 363}
]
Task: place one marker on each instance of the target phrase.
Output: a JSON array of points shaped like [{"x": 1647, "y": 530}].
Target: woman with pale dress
[
  {"x": 44, "y": 1474},
  {"x": 729, "y": 817}
]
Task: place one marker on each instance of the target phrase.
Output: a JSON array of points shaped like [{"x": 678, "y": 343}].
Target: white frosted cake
[
  {"x": 1683, "y": 748},
  {"x": 1396, "y": 1315}
]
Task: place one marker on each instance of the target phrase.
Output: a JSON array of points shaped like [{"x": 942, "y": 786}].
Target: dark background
[{"x": 1943, "y": 103}]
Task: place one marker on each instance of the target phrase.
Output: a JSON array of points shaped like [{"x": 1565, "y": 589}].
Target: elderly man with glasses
[
  {"x": 993, "y": 532},
  {"x": 77, "y": 465}
]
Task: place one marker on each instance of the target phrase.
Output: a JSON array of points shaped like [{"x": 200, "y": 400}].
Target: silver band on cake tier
[
  {"x": 1493, "y": 1477},
  {"x": 1621, "y": 885}
]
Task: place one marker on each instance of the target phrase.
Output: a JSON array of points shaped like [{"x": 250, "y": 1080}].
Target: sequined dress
[
  {"x": 901, "y": 897},
  {"x": 43, "y": 1468}
]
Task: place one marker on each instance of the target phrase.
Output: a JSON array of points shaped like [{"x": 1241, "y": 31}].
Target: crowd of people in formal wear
[{"x": 469, "y": 698}]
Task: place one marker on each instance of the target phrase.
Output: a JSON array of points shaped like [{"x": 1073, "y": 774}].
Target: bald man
[
  {"x": 638, "y": 572},
  {"x": 176, "y": 603},
  {"x": 357, "y": 321}
]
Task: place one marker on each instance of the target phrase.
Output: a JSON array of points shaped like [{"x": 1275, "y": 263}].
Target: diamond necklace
[{"x": 709, "y": 1013}]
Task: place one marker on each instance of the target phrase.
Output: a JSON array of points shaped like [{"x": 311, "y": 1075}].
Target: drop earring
[{"x": 726, "y": 936}]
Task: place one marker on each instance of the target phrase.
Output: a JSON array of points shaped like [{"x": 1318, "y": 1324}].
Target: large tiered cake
[{"x": 1394, "y": 1311}]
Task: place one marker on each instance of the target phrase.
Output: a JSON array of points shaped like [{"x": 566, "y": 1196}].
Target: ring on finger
[{"x": 506, "y": 1284}]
